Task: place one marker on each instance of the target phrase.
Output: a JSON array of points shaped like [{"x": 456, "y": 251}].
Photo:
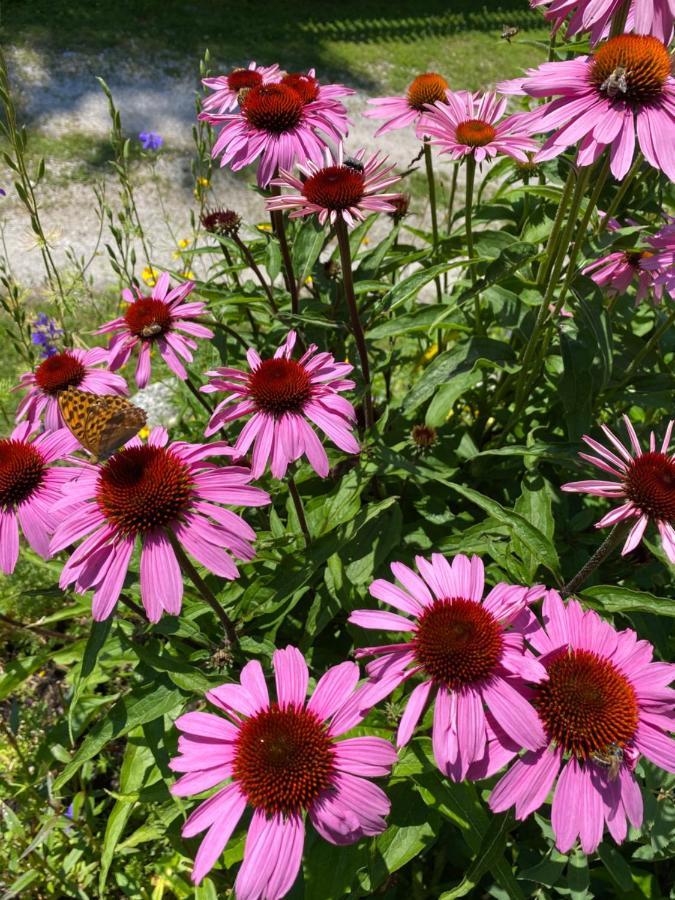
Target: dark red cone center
[
  {"x": 22, "y": 469},
  {"x": 458, "y": 642},
  {"x": 59, "y": 372},
  {"x": 147, "y": 318},
  {"x": 142, "y": 488},
  {"x": 284, "y": 759},
  {"x": 335, "y": 187},
  {"x": 279, "y": 386},
  {"x": 587, "y": 705},
  {"x": 650, "y": 484},
  {"x": 274, "y": 108}
]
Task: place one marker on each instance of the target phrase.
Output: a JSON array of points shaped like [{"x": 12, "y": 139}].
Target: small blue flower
[
  {"x": 150, "y": 140},
  {"x": 69, "y": 812}
]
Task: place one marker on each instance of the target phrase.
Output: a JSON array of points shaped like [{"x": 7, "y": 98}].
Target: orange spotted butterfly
[{"x": 102, "y": 423}]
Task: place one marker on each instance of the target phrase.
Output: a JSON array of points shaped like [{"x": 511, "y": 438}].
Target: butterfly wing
[
  {"x": 114, "y": 428},
  {"x": 75, "y": 407},
  {"x": 102, "y": 423}
]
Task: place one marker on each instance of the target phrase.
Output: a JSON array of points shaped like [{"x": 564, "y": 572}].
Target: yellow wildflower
[
  {"x": 150, "y": 275},
  {"x": 203, "y": 182},
  {"x": 264, "y": 226},
  {"x": 431, "y": 352}
]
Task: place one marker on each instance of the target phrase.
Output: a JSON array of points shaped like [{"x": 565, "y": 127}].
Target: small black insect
[{"x": 352, "y": 163}]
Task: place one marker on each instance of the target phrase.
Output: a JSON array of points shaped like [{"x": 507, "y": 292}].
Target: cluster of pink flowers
[
  {"x": 583, "y": 700},
  {"x": 563, "y": 698}
]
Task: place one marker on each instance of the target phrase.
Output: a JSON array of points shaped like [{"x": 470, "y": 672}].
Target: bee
[
  {"x": 151, "y": 330},
  {"x": 611, "y": 758},
  {"x": 352, "y": 163},
  {"x": 509, "y": 32},
  {"x": 615, "y": 83}
]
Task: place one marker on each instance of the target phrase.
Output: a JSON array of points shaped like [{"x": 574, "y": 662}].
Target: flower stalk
[
  {"x": 203, "y": 589},
  {"x": 348, "y": 283},
  {"x": 611, "y": 542}
]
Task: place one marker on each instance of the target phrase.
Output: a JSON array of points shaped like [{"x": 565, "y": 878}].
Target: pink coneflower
[
  {"x": 285, "y": 395},
  {"x": 310, "y": 88},
  {"x": 603, "y": 704},
  {"x": 644, "y": 481},
  {"x": 662, "y": 260},
  {"x": 644, "y": 16},
  {"x": 29, "y": 487},
  {"x": 71, "y": 368},
  {"x": 464, "y": 124},
  {"x": 617, "y": 270},
  {"x": 467, "y": 656},
  {"x": 156, "y": 321},
  {"x": 278, "y": 124},
  {"x": 347, "y": 187},
  {"x": 282, "y": 758},
  {"x": 623, "y": 85},
  {"x": 402, "y": 111},
  {"x": 226, "y": 88},
  {"x": 142, "y": 492}
]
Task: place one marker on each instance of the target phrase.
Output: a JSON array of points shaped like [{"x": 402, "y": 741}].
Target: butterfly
[{"x": 102, "y": 423}]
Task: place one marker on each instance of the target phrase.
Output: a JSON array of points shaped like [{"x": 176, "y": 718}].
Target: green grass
[{"x": 374, "y": 43}]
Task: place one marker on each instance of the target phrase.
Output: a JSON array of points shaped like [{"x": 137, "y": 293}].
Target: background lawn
[{"x": 375, "y": 43}]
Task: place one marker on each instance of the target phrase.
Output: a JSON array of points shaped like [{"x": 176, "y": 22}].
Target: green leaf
[
  {"x": 309, "y": 240},
  {"x": 533, "y": 539},
  {"x": 459, "y": 802},
  {"x": 140, "y": 706},
  {"x": 462, "y": 357},
  {"x": 615, "y": 599},
  {"x": 534, "y": 505},
  {"x": 616, "y": 865},
  {"x": 419, "y": 320},
  {"x": 578, "y": 877},
  {"x": 138, "y": 760},
  {"x": 95, "y": 642},
  {"x": 448, "y": 393},
  {"x": 489, "y": 853}
]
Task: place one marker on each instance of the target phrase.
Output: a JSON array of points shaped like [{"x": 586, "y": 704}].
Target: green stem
[
  {"x": 279, "y": 227},
  {"x": 647, "y": 349},
  {"x": 581, "y": 235},
  {"x": 202, "y": 587},
  {"x": 533, "y": 345},
  {"x": 348, "y": 283},
  {"x": 620, "y": 194},
  {"x": 44, "y": 633},
  {"x": 226, "y": 328},
  {"x": 619, "y": 20},
  {"x": 299, "y": 509},
  {"x": 248, "y": 256},
  {"x": 431, "y": 181},
  {"x": 198, "y": 395},
  {"x": 453, "y": 192},
  {"x": 133, "y": 606},
  {"x": 468, "y": 224},
  {"x": 230, "y": 264},
  {"x": 615, "y": 537}
]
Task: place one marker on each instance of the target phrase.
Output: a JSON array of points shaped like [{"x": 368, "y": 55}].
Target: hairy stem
[
  {"x": 299, "y": 509},
  {"x": 431, "y": 181},
  {"x": 614, "y": 538},
  {"x": 203, "y": 589},
  {"x": 348, "y": 283}
]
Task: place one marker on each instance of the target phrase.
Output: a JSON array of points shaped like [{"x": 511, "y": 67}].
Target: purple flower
[
  {"x": 44, "y": 333},
  {"x": 150, "y": 140}
]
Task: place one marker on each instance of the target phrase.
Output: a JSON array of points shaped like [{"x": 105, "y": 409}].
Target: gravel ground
[{"x": 58, "y": 95}]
